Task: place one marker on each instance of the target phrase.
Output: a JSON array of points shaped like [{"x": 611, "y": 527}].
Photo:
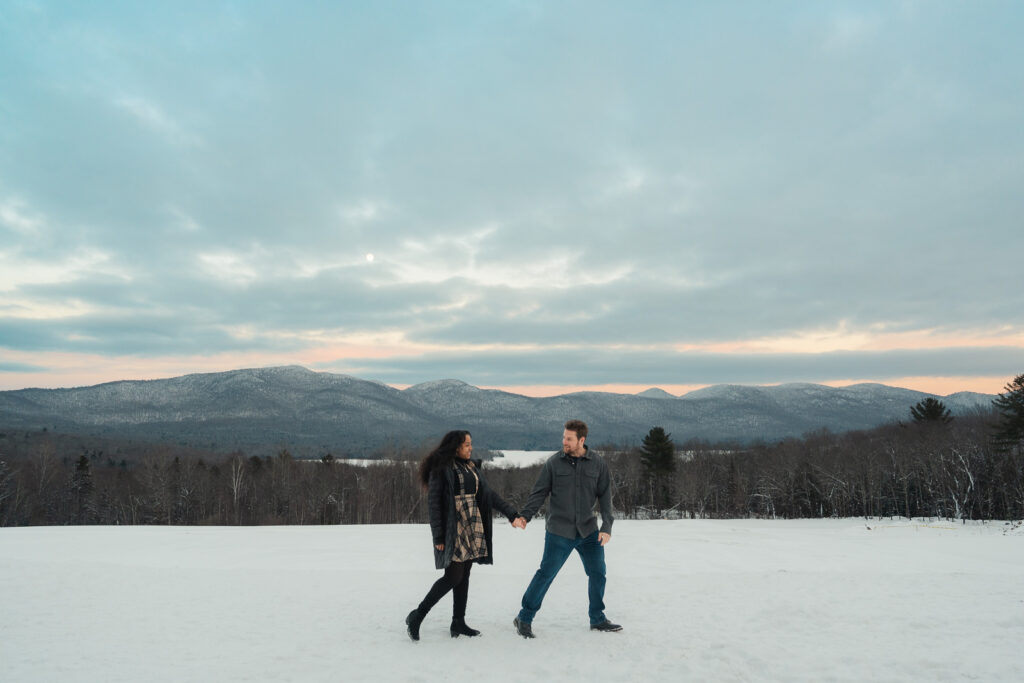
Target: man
[{"x": 574, "y": 478}]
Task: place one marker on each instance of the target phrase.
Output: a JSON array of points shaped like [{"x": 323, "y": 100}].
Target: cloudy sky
[{"x": 537, "y": 196}]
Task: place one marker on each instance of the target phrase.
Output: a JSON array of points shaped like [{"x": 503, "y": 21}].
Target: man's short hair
[{"x": 578, "y": 426}]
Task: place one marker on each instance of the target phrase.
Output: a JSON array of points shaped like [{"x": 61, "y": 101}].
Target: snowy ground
[{"x": 700, "y": 601}]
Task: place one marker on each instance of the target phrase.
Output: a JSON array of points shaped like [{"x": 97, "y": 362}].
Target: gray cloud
[
  {"x": 20, "y": 367},
  {"x": 524, "y": 175}
]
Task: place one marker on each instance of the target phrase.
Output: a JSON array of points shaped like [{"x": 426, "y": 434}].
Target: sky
[{"x": 536, "y": 196}]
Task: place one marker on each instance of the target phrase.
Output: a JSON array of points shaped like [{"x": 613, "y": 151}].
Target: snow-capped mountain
[{"x": 309, "y": 412}]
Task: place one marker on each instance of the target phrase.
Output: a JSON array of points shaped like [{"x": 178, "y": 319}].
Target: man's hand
[
  {"x": 604, "y": 538},
  {"x": 519, "y": 522},
  {"x": 439, "y": 546}
]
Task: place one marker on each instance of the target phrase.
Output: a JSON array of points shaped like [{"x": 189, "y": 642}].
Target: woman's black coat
[{"x": 443, "y": 518}]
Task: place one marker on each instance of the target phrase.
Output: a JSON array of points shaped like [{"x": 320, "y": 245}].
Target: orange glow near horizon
[
  {"x": 76, "y": 370},
  {"x": 78, "y": 377}
]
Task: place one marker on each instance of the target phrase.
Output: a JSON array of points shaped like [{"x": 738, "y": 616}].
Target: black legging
[{"x": 455, "y": 579}]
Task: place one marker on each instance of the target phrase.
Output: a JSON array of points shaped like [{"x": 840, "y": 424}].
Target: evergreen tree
[
  {"x": 930, "y": 411},
  {"x": 82, "y": 491},
  {"x": 1011, "y": 409},
  {"x": 658, "y": 456},
  {"x": 658, "y": 452}
]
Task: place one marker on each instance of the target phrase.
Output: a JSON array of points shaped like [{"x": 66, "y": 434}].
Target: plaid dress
[{"x": 470, "y": 542}]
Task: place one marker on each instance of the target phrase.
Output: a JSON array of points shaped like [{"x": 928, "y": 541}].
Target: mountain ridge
[{"x": 260, "y": 409}]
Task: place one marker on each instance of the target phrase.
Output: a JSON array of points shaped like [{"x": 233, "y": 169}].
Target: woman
[{"x": 461, "y": 507}]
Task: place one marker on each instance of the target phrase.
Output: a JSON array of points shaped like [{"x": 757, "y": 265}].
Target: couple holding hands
[{"x": 461, "y": 511}]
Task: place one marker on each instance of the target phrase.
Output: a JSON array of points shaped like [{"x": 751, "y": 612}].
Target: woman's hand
[{"x": 439, "y": 546}]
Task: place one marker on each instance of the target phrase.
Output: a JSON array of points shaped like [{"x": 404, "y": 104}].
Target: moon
[{"x": 369, "y": 258}]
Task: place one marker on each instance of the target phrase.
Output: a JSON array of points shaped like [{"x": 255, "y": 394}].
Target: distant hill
[
  {"x": 260, "y": 410},
  {"x": 656, "y": 393}
]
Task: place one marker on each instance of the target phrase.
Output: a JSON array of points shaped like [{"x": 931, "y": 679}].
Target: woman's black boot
[
  {"x": 459, "y": 628},
  {"x": 413, "y": 621}
]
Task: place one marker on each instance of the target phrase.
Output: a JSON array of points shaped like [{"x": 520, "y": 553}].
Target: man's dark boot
[
  {"x": 413, "y": 621},
  {"x": 522, "y": 628},
  {"x": 459, "y": 628},
  {"x": 605, "y": 626}
]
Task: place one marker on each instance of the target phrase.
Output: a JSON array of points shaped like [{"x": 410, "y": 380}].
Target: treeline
[
  {"x": 932, "y": 469},
  {"x": 54, "y": 489}
]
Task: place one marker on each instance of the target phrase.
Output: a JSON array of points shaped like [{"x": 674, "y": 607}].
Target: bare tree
[{"x": 236, "y": 483}]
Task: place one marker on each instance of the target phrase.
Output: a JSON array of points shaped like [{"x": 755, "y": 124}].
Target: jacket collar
[
  {"x": 585, "y": 456},
  {"x": 475, "y": 461}
]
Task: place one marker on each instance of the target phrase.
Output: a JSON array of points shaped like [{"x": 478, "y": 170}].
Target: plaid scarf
[{"x": 470, "y": 542}]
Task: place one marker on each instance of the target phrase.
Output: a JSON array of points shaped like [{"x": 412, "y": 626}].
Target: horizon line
[{"x": 937, "y": 386}]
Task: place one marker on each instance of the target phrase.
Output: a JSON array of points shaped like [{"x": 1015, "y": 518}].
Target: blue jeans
[{"x": 556, "y": 551}]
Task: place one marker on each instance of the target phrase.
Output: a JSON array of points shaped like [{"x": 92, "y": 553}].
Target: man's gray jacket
[{"x": 573, "y": 489}]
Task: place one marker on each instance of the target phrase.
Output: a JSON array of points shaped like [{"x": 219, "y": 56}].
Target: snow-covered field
[{"x": 744, "y": 600}]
